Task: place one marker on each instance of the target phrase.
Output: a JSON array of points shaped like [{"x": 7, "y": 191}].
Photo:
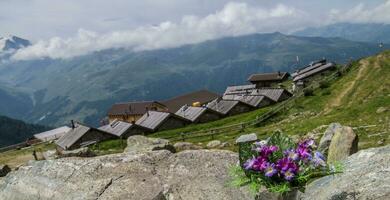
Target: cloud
[
  {"x": 233, "y": 20},
  {"x": 362, "y": 14}
]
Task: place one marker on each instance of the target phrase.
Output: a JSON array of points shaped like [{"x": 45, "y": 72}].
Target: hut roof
[
  {"x": 153, "y": 119},
  {"x": 305, "y": 74},
  {"x": 222, "y": 106},
  {"x": 252, "y": 100},
  {"x": 192, "y": 113},
  {"x": 201, "y": 96},
  {"x": 240, "y": 89},
  {"x": 275, "y": 76},
  {"x": 74, "y": 135},
  {"x": 131, "y": 108},
  {"x": 52, "y": 134},
  {"x": 309, "y": 67},
  {"x": 274, "y": 94},
  {"x": 118, "y": 128}
]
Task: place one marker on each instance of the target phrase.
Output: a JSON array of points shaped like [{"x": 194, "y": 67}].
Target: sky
[{"x": 67, "y": 28}]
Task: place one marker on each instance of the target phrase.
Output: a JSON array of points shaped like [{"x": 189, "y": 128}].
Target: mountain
[
  {"x": 8, "y": 45},
  {"x": 13, "y": 131},
  {"x": 356, "y": 32},
  {"x": 84, "y": 87}
]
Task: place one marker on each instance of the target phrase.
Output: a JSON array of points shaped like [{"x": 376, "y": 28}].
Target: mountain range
[
  {"x": 54, "y": 91},
  {"x": 370, "y": 32}
]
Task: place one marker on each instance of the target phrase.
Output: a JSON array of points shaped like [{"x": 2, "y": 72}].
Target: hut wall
[
  {"x": 92, "y": 135},
  {"x": 171, "y": 123},
  {"x": 208, "y": 117},
  {"x": 265, "y": 102},
  {"x": 238, "y": 109},
  {"x": 134, "y": 131}
]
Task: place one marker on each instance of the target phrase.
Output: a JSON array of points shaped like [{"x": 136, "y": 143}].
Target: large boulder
[
  {"x": 326, "y": 138},
  {"x": 158, "y": 175},
  {"x": 4, "y": 170},
  {"x": 139, "y": 144},
  {"x": 344, "y": 143},
  {"x": 366, "y": 176},
  {"x": 181, "y": 146}
]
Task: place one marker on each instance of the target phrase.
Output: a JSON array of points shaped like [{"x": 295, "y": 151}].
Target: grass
[
  {"x": 109, "y": 147},
  {"x": 15, "y": 158}
]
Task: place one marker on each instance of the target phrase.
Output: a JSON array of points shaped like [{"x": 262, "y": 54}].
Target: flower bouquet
[{"x": 280, "y": 165}]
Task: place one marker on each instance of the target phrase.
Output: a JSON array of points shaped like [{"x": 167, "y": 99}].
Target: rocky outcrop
[
  {"x": 326, "y": 138},
  {"x": 344, "y": 143},
  {"x": 196, "y": 174},
  {"x": 181, "y": 146},
  {"x": 4, "y": 170},
  {"x": 213, "y": 144},
  {"x": 366, "y": 176},
  {"x": 139, "y": 144}
]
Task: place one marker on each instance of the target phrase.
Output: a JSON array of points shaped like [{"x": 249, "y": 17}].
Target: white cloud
[
  {"x": 362, "y": 14},
  {"x": 233, "y": 20}
]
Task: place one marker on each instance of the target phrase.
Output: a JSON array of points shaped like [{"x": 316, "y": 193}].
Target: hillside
[
  {"x": 360, "y": 98},
  {"x": 83, "y": 88},
  {"x": 354, "y": 32},
  {"x": 14, "y": 131}
]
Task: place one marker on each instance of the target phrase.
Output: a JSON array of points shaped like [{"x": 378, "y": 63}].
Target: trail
[{"x": 337, "y": 101}]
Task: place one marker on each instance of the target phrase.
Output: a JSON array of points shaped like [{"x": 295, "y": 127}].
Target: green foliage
[
  {"x": 109, "y": 146},
  {"x": 323, "y": 84},
  {"x": 308, "y": 92}
]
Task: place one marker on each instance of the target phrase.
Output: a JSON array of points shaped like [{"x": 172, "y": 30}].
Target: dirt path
[{"x": 335, "y": 102}]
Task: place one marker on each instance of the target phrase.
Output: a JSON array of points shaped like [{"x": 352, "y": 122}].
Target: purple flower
[
  {"x": 260, "y": 163},
  {"x": 289, "y": 175},
  {"x": 291, "y": 154},
  {"x": 265, "y": 151},
  {"x": 270, "y": 170},
  {"x": 318, "y": 159},
  {"x": 303, "y": 153},
  {"x": 285, "y": 164},
  {"x": 249, "y": 163}
]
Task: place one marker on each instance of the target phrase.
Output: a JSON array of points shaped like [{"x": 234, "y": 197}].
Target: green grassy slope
[{"x": 353, "y": 100}]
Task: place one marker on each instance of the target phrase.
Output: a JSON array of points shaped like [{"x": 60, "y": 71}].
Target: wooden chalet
[
  {"x": 314, "y": 71},
  {"x": 132, "y": 111},
  {"x": 159, "y": 121},
  {"x": 80, "y": 136},
  {"x": 229, "y": 107},
  {"x": 197, "y": 98},
  {"x": 275, "y": 94},
  {"x": 124, "y": 129},
  {"x": 268, "y": 79},
  {"x": 198, "y": 114},
  {"x": 52, "y": 134}
]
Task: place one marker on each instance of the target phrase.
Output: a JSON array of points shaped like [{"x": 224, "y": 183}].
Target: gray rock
[
  {"x": 159, "y": 175},
  {"x": 344, "y": 143},
  {"x": 50, "y": 154},
  {"x": 224, "y": 144},
  {"x": 81, "y": 152},
  {"x": 381, "y": 110},
  {"x": 4, "y": 170},
  {"x": 326, "y": 138},
  {"x": 181, "y": 146},
  {"x": 139, "y": 143},
  {"x": 247, "y": 138},
  {"x": 213, "y": 144},
  {"x": 366, "y": 176}
]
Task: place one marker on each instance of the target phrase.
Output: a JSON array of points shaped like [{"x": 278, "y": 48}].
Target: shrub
[
  {"x": 308, "y": 92},
  {"x": 324, "y": 84}
]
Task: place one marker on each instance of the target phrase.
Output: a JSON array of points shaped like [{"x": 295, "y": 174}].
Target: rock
[
  {"x": 343, "y": 144},
  {"x": 4, "y": 170},
  {"x": 381, "y": 110},
  {"x": 50, "y": 155},
  {"x": 326, "y": 138},
  {"x": 139, "y": 143},
  {"x": 224, "y": 144},
  {"x": 366, "y": 176},
  {"x": 381, "y": 141},
  {"x": 247, "y": 138},
  {"x": 181, "y": 146},
  {"x": 213, "y": 144},
  {"x": 158, "y": 175},
  {"x": 81, "y": 152}
]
